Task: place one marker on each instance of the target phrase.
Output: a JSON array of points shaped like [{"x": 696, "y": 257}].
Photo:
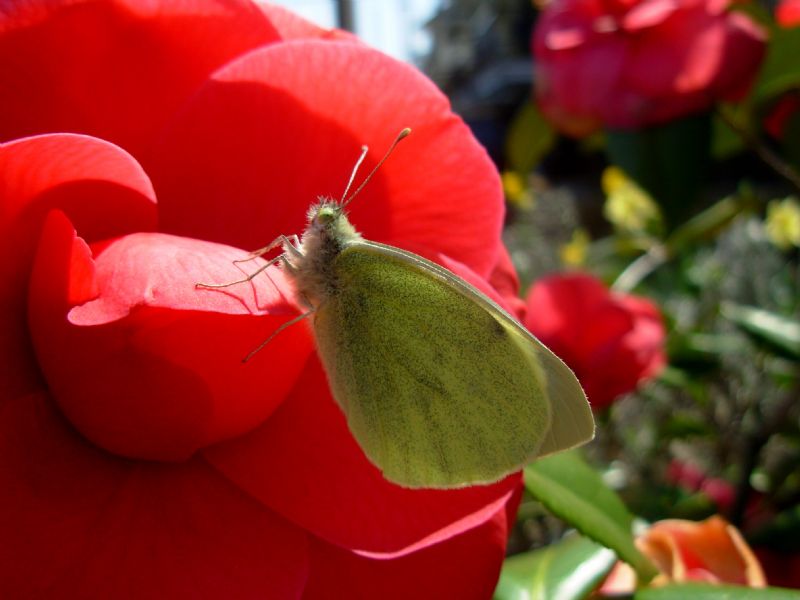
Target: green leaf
[
  {"x": 567, "y": 570},
  {"x": 710, "y": 344},
  {"x": 782, "y": 533},
  {"x": 708, "y": 223},
  {"x": 725, "y": 142},
  {"x": 780, "y": 331},
  {"x": 574, "y": 492},
  {"x": 699, "y": 591},
  {"x": 780, "y": 70},
  {"x": 529, "y": 138}
]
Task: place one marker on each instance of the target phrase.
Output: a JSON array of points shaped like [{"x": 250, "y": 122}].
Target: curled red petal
[
  {"x": 304, "y": 463},
  {"x": 78, "y": 523},
  {"x": 117, "y": 69},
  {"x": 152, "y": 368},
  {"x": 464, "y": 566},
  {"x": 285, "y": 124},
  {"x": 101, "y": 187}
]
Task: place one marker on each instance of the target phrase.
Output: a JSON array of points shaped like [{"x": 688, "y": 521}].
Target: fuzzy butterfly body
[{"x": 440, "y": 386}]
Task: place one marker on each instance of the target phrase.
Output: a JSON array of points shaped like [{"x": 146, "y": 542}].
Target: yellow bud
[
  {"x": 628, "y": 207},
  {"x": 516, "y": 190},
  {"x": 574, "y": 252},
  {"x": 783, "y": 223}
]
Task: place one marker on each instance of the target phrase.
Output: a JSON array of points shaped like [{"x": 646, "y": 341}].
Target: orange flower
[{"x": 712, "y": 551}]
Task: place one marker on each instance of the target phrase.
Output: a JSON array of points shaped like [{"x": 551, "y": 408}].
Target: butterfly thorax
[{"x": 328, "y": 232}]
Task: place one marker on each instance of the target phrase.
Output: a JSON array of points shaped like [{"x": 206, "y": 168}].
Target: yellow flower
[
  {"x": 783, "y": 223},
  {"x": 573, "y": 253},
  {"x": 516, "y": 190},
  {"x": 628, "y": 207}
]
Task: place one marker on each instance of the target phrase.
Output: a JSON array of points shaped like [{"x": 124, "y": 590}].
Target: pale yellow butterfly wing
[{"x": 440, "y": 387}]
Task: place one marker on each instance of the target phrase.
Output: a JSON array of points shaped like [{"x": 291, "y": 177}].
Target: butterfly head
[
  {"x": 327, "y": 220},
  {"x": 324, "y": 215}
]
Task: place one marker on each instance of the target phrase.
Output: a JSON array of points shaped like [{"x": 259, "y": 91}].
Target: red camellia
[
  {"x": 783, "y": 111},
  {"x": 613, "y": 342},
  {"x": 787, "y": 13},
  {"x": 632, "y": 63},
  {"x": 691, "y": 478},
  {"x": 146, "y": 145}
]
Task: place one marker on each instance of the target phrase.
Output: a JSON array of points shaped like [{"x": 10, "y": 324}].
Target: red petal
[
  {"x": 464, "y": 566},
  {"x": 504, "y": 279},
  {"x": 304, "y": 463},
  {"x": 285, "y": 124},
  {"x": 745, "y": 47},
  {"x": 576, "y": 82},
  {"x": 647, "y": 338},
  {"x": 611, "y": 341},
  {"x": 291, "y": 26},
  {"x": 103, "y": 190},
  {"x": 558, "y": 308},
  {"x": 650, "y": 13},
  {"x": 77, "y": 523},
  {"x": 117, "y": 69},
  {"x": 668, "y": 77},
  {"x": 147, "y": 370},
  {"x": 787, "y": 13},
  {"x": 679, "y": 57}
]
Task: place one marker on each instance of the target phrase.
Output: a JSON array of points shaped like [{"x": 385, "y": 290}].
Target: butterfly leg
[
  {"x": 291, "y": 241},
  {"x": 297, "y": 319},
  {"x": 246, "y": 279}
]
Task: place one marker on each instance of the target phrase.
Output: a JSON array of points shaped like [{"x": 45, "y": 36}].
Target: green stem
[{"x": 764, "y": 152}]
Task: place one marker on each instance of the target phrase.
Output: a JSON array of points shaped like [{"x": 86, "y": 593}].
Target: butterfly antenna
[
  {"x": 396, "y": 141},
  {"x": 360, "y": 160}
]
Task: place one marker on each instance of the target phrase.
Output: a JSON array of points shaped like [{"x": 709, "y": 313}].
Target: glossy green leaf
[
  {"x": 567, "y": 570},
  {"x": 698, "y": 591},
  {"x": 574, "y": 492},
  {"x": 779, "y": 330}
]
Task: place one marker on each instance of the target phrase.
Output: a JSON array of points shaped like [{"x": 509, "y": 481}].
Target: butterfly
[{"x": 440, "y": 386}]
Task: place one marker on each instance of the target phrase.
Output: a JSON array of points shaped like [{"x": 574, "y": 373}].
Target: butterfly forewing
[{"x": 438, "y": 389}]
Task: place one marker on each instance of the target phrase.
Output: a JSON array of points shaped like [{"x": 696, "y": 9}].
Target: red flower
[
  {"x": 626, "y": 64},
  {"x": 783, "y": 109},
  {"x": 691, "y": 478},
  {"x": 780, "y": 114},
  {"x": 138, "y": 456},
  {"x": 613, "y": 342},
  {"x": 787, "y": 13}
]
